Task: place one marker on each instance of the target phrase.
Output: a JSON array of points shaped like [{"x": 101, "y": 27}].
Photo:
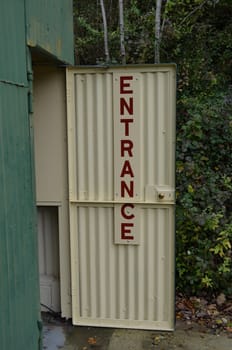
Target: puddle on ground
[
  {"x": 89, "y": 338},
  {"x": 53, "y": 338}
]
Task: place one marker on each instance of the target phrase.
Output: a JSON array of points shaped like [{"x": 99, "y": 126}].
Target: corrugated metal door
[{"x": 121, "y": 134}]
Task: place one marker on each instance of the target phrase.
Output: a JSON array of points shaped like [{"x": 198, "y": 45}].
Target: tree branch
[
  {"x": 193, "y": 11},
  {"x": 105, "y": 31},
  {"x": 157, "y": 30},
  {"x": 121, "y": 27}
]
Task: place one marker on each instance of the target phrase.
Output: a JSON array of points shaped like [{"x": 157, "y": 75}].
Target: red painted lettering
[
  {"x": 126, "y": 146},
  {"x": 124, "y": 85},
  {"x": 127, "y": 170},
  {"x": 126, "y": 122},
  {"x": 126, "y": 231},
  {"x": 124, "y": 211},
  {"x": 129, "y": 190},
  {"x": 125, "y": 105},
  {"x": 127, "y": 151}
]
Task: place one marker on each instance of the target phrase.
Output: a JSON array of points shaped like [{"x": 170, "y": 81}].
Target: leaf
[
  {"x": 221, "y": 299},
  {"x": 92, "y": 340},
  {"x": 190, "y": 189}
]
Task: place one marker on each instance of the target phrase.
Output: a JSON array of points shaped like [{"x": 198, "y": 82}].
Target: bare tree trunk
[
  {"x": 121, "y": 27},
  {"x": 107, "y": 55},
  {"x": 163, "y": 21},
  {"x": 157, "y": 30}
]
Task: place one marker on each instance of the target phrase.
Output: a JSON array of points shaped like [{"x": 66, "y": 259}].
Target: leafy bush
[{"x": 204, "y": 193}]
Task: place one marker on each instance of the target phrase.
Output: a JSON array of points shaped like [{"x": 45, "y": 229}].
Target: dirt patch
[
  {"x": 214, "y": 314},
  {"x": 192, "y": 339}
]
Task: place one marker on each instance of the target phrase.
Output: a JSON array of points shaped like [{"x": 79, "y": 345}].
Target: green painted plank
[{"x": 19, "y": 296}]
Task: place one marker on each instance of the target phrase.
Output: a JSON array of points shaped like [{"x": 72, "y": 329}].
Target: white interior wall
[{"x": 48, "y": 245}]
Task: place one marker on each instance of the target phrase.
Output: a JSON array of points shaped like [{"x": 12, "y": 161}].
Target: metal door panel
[{"x": 122, "y": 280}]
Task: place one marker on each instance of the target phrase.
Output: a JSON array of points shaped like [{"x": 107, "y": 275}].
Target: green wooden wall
[
  {"x": 19, "y": 298},
  {"x": 19, "y": 290},
  {"x": 50, "y": 27},
  {"x": 22, "y": 23}
]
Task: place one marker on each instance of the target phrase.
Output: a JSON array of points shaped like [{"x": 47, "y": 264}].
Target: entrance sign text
[{"x": 127, "y": 155}]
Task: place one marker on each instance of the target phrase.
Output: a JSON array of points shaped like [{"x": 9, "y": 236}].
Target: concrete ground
[{"x": 62, "y": 335}]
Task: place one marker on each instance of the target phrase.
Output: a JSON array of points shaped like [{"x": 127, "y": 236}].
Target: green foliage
[
  {"x": 204, "y": 193},
  {"x": 196, "y": 34},
  {"x": 89, "y": 36},
  {"x": 139, "y": 33}
]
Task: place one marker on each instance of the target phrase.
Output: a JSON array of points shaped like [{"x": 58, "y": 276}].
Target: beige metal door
[{"x": 121, "y": 140}]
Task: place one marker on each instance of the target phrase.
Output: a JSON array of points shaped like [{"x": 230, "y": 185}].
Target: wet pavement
[{"x": 58, "y": 334}]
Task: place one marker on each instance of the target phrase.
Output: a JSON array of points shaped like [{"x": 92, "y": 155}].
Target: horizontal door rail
[{"x": 112, "y": 203}]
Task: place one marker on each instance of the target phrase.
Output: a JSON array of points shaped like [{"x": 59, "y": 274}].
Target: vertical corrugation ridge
[
  {"x": 151, "y": 263},
  {"x": 109, "y": 138},
  {"x": 81, "y": 141},
  {"x": 159, "y": 136},
  {"x": 101, "y": 267},
  {"x": 93, "y": 236},
  {"x": 91, "y": 136},
  {"x": 112, "y": 267},
  {"x": 172, "y": 128},
  {"x": 82, "y": 263},
  {"x": 141, "y": 270},
  {"x": 99, "y": 149},
  {"x": 131, "y": 281},
  {"x": 150, "y": 135},
  {"x": 160, "y": 219}
]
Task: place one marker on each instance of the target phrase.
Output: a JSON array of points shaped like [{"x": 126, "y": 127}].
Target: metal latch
[{"x": 159, "y": 194}]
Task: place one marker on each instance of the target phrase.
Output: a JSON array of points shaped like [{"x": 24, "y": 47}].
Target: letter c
[{"x": 125, "y": 214}]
